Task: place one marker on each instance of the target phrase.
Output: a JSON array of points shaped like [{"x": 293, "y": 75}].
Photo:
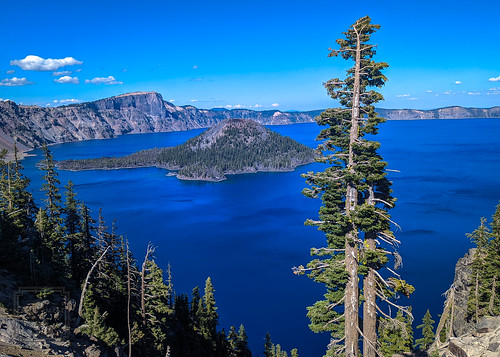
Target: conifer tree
[
  {"x": 268, "y": 347},
  {"x": 395, "y": 335},
  {"x": 242, "y": 343},
  {"x": 232, "y": 339},
  {"x": 210, "y": 317},
  {"x": 356, "y": 197},
  {"x": 427, "y": 332},
  {"x": 484, "y": 298}
]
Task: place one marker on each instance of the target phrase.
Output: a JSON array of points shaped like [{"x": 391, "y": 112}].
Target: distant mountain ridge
[{"x": 147, "y": 112}]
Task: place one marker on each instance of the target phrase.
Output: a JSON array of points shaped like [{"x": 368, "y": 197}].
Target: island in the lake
[{"x": 233, "y": 146}]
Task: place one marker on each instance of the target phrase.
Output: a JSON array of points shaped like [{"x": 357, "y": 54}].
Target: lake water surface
[{"x": 247, "y": 232}]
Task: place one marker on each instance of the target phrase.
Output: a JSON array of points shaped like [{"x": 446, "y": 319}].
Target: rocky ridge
[
  {"x": 132, "y": 113},
  {"x": 146, "y": 112}
]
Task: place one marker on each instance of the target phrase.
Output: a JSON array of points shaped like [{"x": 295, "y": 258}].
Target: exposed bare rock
[
  {"x": 484, "y": 341},
  {"x": 140, "y": 112},
  {"x": 454, "y": 112},
  {"x": 466, "y": 338},
  {"x": 147, "y": 112}
]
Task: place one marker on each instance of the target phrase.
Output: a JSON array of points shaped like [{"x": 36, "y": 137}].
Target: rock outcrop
[
  {"x": 140, "y": 112},
  {"x": 466, "y": 339},
  {"x": 454, "y": 112},
  {"x": 483, "y": 341},
  {"x": 146, "y": 112}
]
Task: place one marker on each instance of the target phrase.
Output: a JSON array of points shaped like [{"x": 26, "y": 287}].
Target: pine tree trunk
[
  {"x": 491, "y": 305},
  {"x": 351, "y": 260},
  {"x": 351, "y": 300},
  {"x": 369, "y": 308},
  {"x": 129, "y": 295},
  {"x": 477, "y": 297}
]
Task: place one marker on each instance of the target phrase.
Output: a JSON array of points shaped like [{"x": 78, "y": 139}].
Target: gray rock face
[
  {"x": 441, "y": 113},
  {"x": 147, "y": 112},
  {"x": 141, "y": 112},
  {"x": 469, "y": 339},
  {"x": 483, "y": 342}
]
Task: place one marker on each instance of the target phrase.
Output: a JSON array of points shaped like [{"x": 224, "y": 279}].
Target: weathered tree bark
[
  {"x": 477, "y": 297},
  {"x": 491, "y": 304},
  {"x": 84, "y": 289},
  {"x": 370, "y": 295},
  {"x": 351, "y": 249},
  {"x": 129, "y": 295}
]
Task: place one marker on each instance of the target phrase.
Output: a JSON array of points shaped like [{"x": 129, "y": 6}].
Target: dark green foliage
[
  {"x": 268, "y": 347},
  {"x": 395, "y": 335},
  {"x": 484, "y": 297},
  {"x": 60, "y": 244},
  {"x": 243, "y": 146},
  {"x": 428, "y": 335},
  {"x": 242, "y": 344},
  {"x": 271, "y": 350},
  {"x": 356, "y": 197}
]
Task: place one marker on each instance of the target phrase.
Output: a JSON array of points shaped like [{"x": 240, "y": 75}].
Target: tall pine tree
[{"x": 356, "y": 197}]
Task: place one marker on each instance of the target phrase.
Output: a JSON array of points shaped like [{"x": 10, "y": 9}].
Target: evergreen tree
[
  {"x": 484, "y": 298},
  {"x": 395, "y": 335},
  {"x": 232, "y": 339},
  {"x": 356, "y": 197},
  {"x": 157, "y": 310},
  {"x": 210, "y": 318},
  {"x": 51, "y": 224},
  {"x": 17, "y": 213},
  {"x": 427, "y": 332},
  {"x": 242, "y": 343},
  {"x": 268, "y": 347}
]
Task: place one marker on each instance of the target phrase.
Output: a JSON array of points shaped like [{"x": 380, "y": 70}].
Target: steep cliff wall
[{"x": 147, "y": 112}]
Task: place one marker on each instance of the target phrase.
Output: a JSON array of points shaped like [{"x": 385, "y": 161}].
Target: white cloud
[
  {"x": 495, "y": 89},
  {"x": 67, "y": 79},
  {"x": 15, "y": 82},
  {"x": 238, "y": 106},
  {"x": 497, "y": 79},
  {"x": 171, "y": 100},
  {"x": 473, "y": 93},
  {"x": 10, "y": 71},
  {"x": 61, "y": 73},
  {"x": 448, "y": 92},
  {"x": 429, "y": 91},
  {"x": 64, "y": 101},
  {"x": 458, "y": 82},
  {"x": 257, "y": 105},
  {"x": 193, "y": 100},
  {"x": 275, "y": 105},
  {"x": 36, "y": 63},
  {"x": 402, "y": 95},
  {"x": 195, "y": 67},
  {"x": 413, "y": 98},
  {"x": 103, "y": 80}
]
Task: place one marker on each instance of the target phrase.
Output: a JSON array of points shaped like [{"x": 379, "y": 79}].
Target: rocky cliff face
[
  {"x": 442, "y": 113},
  {"x": 141, "y": 112},
  {"x": 147, "y": 112},
  {"x": 467, "y": 339}
]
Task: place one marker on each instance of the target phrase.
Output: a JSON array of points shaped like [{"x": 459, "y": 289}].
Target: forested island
[{"x": 234, "y": 146}]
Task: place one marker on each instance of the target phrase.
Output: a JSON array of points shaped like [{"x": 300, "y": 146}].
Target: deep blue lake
[{"x": 247, "y": 232}]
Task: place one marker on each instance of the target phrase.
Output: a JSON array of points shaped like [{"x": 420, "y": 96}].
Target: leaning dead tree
[
  {"x": 356, "y": 198},
  {"x": 86, "y": 282}
]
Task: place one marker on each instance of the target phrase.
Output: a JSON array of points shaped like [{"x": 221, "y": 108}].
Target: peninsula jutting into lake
[{"x": 234, "y": 146}]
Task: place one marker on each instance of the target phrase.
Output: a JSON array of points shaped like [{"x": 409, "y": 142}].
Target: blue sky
[{"x": 252, "y": 54}]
